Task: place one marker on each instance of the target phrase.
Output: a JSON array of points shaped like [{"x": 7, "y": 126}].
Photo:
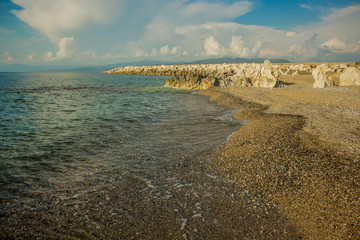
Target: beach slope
[{"x": 300, "y": 150}]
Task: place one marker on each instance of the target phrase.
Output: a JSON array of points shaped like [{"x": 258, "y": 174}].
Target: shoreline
[
  {"x": 266, "y": 75},
  {"x": 299, "y": 151}
]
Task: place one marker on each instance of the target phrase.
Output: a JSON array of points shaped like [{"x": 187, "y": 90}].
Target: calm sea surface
[{"x": 88, "y": 155}]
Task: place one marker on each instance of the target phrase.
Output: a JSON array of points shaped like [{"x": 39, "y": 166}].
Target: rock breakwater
[
  {"x": 266, "y": 75},
  {"x": 204, "y": 76}
]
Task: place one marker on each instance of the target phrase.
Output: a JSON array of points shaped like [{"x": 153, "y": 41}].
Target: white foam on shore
[
  {"x": 228, "y": 116},
  {"x": 228, "y": 137}
]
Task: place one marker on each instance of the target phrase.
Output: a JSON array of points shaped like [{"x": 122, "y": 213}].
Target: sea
[{"x": 102, "y": 156}]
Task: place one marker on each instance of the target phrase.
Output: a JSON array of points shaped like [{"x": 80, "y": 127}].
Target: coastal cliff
[{"x": 266, "y": 75}]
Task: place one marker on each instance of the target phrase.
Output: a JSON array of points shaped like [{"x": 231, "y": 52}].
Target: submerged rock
[{"x": 351, "y": 77}]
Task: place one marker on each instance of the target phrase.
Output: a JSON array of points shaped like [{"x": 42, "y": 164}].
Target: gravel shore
[{"x": 300, "y": 151}]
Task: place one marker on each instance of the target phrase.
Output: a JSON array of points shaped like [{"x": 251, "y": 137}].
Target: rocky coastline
[
  {"x": 300, "y": 150},
  {"x": 266, "y": 75}
]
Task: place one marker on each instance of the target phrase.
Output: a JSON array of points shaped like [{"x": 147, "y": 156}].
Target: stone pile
[
  {"x": 266, "y": 75},
  {"x": 351, "y": 77},
  {"x": 203, "y": 76},
  {"x": 294, "y": 69}
]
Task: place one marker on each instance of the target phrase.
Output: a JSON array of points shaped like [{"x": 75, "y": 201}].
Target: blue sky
[{"x": 94, "y": 32}]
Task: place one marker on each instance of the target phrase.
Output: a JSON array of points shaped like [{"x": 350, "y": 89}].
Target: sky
[{"x": 98, "y": 32}]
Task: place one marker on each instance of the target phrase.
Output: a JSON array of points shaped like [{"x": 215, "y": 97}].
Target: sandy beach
[{"x": 299, "y": 151}]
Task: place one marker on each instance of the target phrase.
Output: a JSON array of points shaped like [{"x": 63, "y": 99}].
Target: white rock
[
  {"x": 351, "y": 77},
  {"x": 267, "y": 64},
  {"x": 321, "y": 76},
  {"x": 343, "y": 65},
  {"x": 268, "y": 80}
]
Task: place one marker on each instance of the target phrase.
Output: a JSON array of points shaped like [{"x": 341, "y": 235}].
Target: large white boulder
[
  {"x": 267, "y": 64},
  {"x": 322, "y": 76},
  {"x": 351, "y": 77},
  {"x": 267, "y": 80}
]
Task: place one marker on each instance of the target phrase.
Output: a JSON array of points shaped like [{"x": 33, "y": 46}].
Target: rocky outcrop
[
  {"x": 322, "y": 76},
  {"x": 203, "y": 76},
  {"x": 351, "y": 77}
]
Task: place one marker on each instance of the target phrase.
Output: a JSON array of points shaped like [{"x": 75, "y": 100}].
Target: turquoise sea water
[
  {"x": 52, "y": 122},
  {"x": 98, "y": 156}
]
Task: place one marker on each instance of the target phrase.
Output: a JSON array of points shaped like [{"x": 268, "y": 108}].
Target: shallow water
[{"x": 87, "y": 155}]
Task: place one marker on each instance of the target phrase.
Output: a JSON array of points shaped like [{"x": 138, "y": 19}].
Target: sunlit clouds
[
  {"x": 67, "y": 48},
  {"x": 58, "y": 18},
  {"x": 108, "y": 31}
]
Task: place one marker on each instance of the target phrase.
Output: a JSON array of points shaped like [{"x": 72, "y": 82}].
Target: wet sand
[{"x": 300, "y": 151}]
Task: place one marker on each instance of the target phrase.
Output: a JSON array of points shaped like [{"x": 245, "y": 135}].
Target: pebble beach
[
  {"x": 299, "y": 151},
  {"x": 278, "y": 158}
]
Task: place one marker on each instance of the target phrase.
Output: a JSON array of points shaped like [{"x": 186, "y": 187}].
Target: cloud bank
[
  {"x": 57, "y": 18},
  {"x": 118, "y": 30}
]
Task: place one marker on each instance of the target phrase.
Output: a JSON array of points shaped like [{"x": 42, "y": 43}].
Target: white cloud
[
  {"x": 322, "y": 42},
  {"x": 356, "y": 49},
  {"x": 33, "y": 58},
  {"x": 294, "y": 50},
  {"x": 30, "y": 57},
  {"x": 306, "y": 6},
  {"x": 6, "y": 57},
  {"x": 336, "y": 45},
  {"x": 258, "y": 45},
  {"x": 214, "y": 11},
  {"x": 56, "y": 18},
  {"x": 48, "y": 57},
  {"x": 237, "y": 46},
  {"x": 193, "y": 30},
  {"x": 212, "y": 47},
  {"x": 175, "y": 16},
  {"x": 175, "y": 50},
  {"x": 304, "y": 43},
  {"x": 67, "y": 48},
  {"x": 153, "y": 52},
  {"x": 174, "y": 28},
  {"x": 340, "y": 14},
  {"x": 136, "y": 52},
  {"x": 164, "y": 50},
  {"x": 291, "y": 34}
]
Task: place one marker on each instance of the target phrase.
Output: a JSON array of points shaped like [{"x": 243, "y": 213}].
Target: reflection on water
[{"x": 85, "y": 155}]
